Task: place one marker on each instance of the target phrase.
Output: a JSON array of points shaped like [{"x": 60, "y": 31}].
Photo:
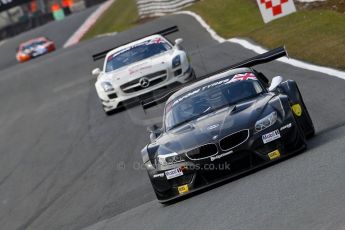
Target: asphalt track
[
  {"x": 58, "y": 31},
  {"x": 65, "y": 165}
]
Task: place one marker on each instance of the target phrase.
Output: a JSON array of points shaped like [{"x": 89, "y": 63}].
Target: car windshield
[
  {"x": 33, "y": 45},
  {"x": 136, "y": 53},
  {"x": 211, "y": 97}
]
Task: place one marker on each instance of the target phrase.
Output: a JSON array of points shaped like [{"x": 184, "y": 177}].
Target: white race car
[{"x": 139, "y": 68}]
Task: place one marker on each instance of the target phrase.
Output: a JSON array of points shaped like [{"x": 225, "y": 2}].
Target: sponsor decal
[
  {"x": 183, "y": 189},
  {"x": 135, "y": 70},
  {"x": 269, "y": 137},
  {"x": 274, "y": 155},
  {"x": 213, "y": 126},
  {"x": 221, "y": 155},
  {"x": 286, "y": 126},
  {"x": 159, "y": 175},
  {"x": 297, "y": 109},
  {"x": 173, "y": 173}
]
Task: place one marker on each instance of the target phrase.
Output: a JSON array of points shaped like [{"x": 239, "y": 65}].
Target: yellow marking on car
[
  {"x": 297, "y": 109},
  {"x": 183, "y": 189},
  {"x": 273, "y": 155}
]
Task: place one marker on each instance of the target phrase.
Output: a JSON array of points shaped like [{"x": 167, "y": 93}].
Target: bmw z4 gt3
[{"x": 223, "y": 126}]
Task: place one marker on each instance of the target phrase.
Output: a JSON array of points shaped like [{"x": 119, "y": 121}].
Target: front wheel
[
  {"x": 298, "y": 107},
  {"x": 301, "y": 141}
]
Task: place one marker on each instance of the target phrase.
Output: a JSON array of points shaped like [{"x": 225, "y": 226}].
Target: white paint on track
[
  {"x": 213, "y": 33},
  {"x": 246, "y": 44},
  {"x": 150, "y": 8},
  {"x": 2, "y": 42},
  {"x": 106, "y": 34},
  {"x": 310, "y": 1},
  {"x": 89, "y": 22},
  {"x": 258, "y": 49}
]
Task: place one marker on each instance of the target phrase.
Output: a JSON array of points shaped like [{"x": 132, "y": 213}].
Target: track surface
[
  {"x": 58, "y": 31},
  {"x": 65, "y": 165}
]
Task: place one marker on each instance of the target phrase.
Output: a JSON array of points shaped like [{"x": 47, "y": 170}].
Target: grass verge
[
  {"x": 121, "y": 15},
  {"x": 315, "y": 35}
]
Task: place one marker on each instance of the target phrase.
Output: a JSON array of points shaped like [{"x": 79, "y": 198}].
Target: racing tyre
[
  {"x": 298, "y": 107},
  {"x": 301, "y": 142}
]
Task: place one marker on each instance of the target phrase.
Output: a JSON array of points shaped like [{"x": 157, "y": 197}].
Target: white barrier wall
[{"x": 149, "y": 8}]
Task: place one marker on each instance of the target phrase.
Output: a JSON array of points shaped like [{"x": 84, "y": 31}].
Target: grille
[
  {"x": 112, "y": 96},
  {"x": 177, "y": 72},
  {"x": 154, "y": 79},
  {"x": 234, "y": 140},
  {"x": 202, "y": 152}
]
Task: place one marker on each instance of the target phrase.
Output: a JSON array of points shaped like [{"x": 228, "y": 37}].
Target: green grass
[
  {"x": 314, "y": 35},
  {"x": 121, "y": 15},
  {"x": 317, "y": 36}
]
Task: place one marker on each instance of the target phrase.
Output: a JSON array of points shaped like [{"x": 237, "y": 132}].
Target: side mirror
[
  {"x": 178, "y": 43},
  {"x": 275, "y": 83},
  {"x": 96, "y": 71},
  {"x": 154, "y": 131}
]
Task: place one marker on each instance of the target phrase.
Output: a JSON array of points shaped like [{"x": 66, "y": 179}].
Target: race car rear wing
[
  {"x": 269, "y": 56},
  {"x": 163, "y": 32},
  {"x": 257, "y": 60}
]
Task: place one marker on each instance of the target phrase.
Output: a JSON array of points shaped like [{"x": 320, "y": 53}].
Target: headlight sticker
[{"x": 266, "y": 122}]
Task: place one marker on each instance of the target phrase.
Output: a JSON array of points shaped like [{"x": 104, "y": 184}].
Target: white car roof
[{"x": 133, "y": 44}]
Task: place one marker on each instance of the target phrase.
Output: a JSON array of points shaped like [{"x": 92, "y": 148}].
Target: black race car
[{"x": 224, "y": 125}]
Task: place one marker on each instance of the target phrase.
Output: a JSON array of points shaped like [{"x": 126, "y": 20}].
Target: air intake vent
[
  {"x": 202, "y": 152},
  {"x": 234, "y": 140}
]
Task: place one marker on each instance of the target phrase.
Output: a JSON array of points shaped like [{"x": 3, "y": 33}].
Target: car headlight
[
  {"x": 169, "y": 159},
  {"x": 266, "y": 122},
  {"x": 176, "y": 61},
  {"x": 107, "y": 86}
]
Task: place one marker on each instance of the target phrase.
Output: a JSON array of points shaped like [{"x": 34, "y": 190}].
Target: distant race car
[
  {"x": 138, "y": 68},
  {"x": 223, "y": 126},
  {"x": 34, "y": 48}
]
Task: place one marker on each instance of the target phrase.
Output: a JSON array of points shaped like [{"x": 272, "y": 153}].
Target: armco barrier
[
  {"x": 148, "y": 8},
  {"x": 19, "y": 27}
]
